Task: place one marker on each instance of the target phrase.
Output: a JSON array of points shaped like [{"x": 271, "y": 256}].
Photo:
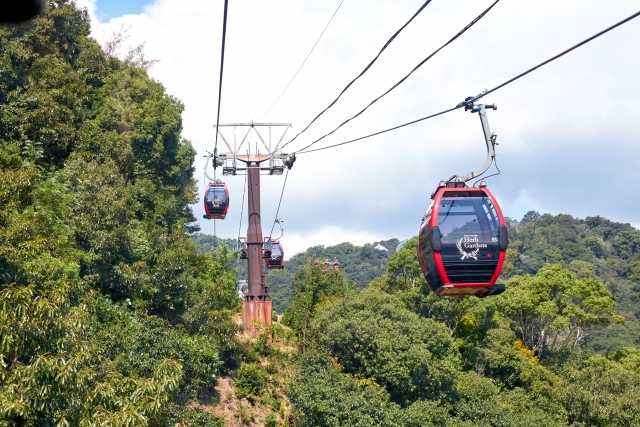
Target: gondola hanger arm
[
  {"x": 206, "y": 164},
  {"x": 278, "y": 221},
  {"x": 489, "y": 137}
]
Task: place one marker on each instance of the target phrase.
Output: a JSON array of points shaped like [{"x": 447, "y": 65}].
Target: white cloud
[{"x": 568, "y": 132}]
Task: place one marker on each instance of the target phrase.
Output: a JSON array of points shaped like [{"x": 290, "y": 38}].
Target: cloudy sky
[{"x": 569, "y": 133}]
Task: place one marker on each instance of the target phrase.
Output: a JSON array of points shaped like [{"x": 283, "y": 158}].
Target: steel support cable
[
  {"x": 224, "y": 37},
  {"x": 451, "y": 40},
  {"x": 381, "y": 132},
  {"x": 303, "y": 62},
  {"x": 595, "y": 36},
  {"x": 279, "y": 203},
  {"x": 473, "y": 99},
  {"x": 363, "y": 71}
]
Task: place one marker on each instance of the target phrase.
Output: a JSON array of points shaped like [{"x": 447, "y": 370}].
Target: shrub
[{"x": 251, "y": 381}]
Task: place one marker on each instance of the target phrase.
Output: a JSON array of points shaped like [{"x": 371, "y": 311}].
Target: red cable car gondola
[
  {"x": 274, "y": 255},
  {"x": 216, "y": 200},
  {"x": 463, "y": 236},
  {"x": 462, "y": 242}
]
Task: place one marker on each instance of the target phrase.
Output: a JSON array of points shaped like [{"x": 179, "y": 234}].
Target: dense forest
[
  {"x": 394, "y": 354},
  {"x": 360, "y": 264},
  {"x": 560, "y": 347},
  {"x": 115, "y": 311},
  {"x": 108, "y": 313},
  {"x": 591, "y": 248},
  {"x": 594, "y": 247}
]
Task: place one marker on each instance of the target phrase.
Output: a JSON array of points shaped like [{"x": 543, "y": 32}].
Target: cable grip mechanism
[{"x": 490, "y": 137}]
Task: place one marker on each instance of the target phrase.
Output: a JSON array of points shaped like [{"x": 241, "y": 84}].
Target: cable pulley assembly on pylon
[
  {"x": 463, "y": 236},
  {"x": 272, "y": 160}
]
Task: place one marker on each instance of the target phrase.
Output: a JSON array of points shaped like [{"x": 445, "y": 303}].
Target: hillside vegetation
[
  {"x": 394, "y": 354},
  {"x": 591, "y": 248},
  {"x": 361, "y": 264},
  {"x": 108, "y": 314}
]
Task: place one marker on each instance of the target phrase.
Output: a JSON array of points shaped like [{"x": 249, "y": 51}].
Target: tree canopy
[
  {"x": 394, "y": 354},
  {"x": 108, "y": 313}
]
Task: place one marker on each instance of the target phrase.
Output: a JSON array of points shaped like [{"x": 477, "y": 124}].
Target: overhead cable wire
[
  {"x": 451, "y": 40},
  {"x": 378, "y": 133},
  {"x": 484, "y": 93},
  {"x": 595, "y": 36},
  {"x": 224, "y": 37},
  {"x": 303, "y": 62},
  {"x": 363, "y": 71},
  {"x": 279, "y": 203}
]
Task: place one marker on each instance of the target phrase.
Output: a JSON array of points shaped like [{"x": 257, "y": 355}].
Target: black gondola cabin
[
  {"x": 274, "y": 255},
  {"x": 216, "y": 200},
  {"x": 462, "y": 242}
]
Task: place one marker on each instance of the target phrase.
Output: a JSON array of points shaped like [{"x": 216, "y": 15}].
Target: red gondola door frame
[
  {"x": 435, "y": 213},
  {"x": 223, "y": 215},
  {"x": 268, "y": 258}
]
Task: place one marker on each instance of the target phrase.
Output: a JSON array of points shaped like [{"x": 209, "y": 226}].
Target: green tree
[
  {"x": 481, "y": 403},
  {"x": 404, "y": 270},
  {"x": 404, "y": 278},
  {"x": 628, "y": 243},
  {"x": 108, "y": 313},
  {"x": 634, "y": 273},
  {"x": 313, "y": 288},
  {"x": 373, "y": 335},
  {"x": 554, "y": 310},
  {"x": 323, "y": 397},
  {"x": 600, "y": 393}
]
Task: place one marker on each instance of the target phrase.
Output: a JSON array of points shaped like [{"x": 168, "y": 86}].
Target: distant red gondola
[
  {"x": 216, "y": 200},
  {"x": 274, "y": 255},
  {"x": 462, "y": 242}
]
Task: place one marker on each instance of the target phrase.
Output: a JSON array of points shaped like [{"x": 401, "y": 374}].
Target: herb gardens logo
[{"x": 470, "y": 242}]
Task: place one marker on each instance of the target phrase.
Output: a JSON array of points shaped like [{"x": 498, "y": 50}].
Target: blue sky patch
[{"x": 107, "y": 9}]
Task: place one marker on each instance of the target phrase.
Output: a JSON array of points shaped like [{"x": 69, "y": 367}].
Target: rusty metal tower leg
[{"x": 257, "y": 304}]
